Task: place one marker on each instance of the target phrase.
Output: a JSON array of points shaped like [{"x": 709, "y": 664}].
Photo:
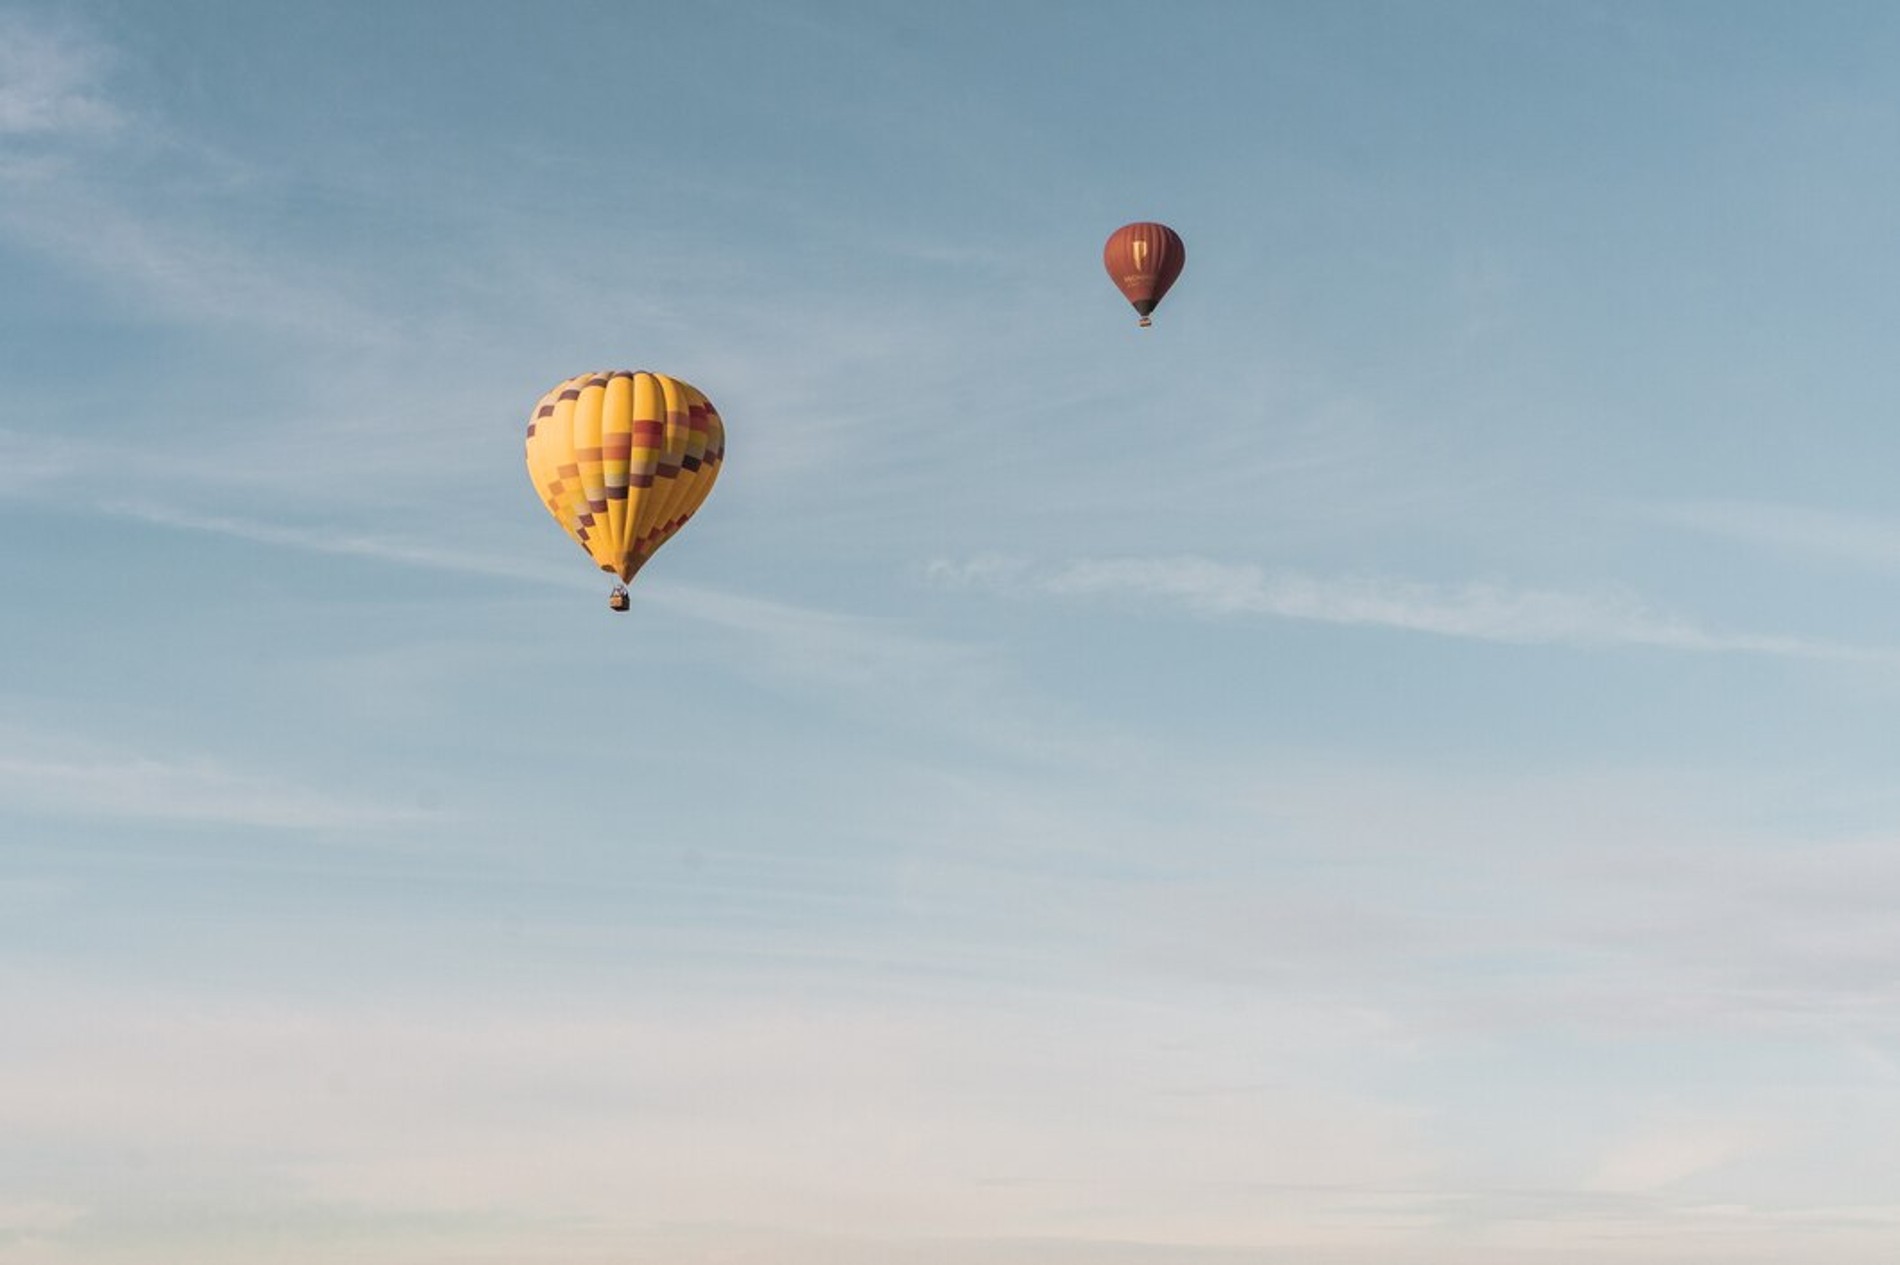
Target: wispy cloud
[
  {"x": 823, "y": 645},
  {"x": 869, "y": 665},
  {"x": 50, "y": 81},
  {"x": 73, "y": 194},
  {"x": 1481, "y": 611},
  {"x": 895, "y": 674},
  {"x": 43, "y": 777},
  {"x": 1664, "y": 1154},
  {"x": 28, "y": 464},
  {"x": 185, "y": 263},
  {"x": 1858, "y": 540},
  {"x": 22, "y": 1219},
  {"x": 345, "y": 543}
]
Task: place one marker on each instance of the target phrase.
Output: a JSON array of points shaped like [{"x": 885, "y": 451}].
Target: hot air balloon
[
  {"x": 1143, "y": 260},
  {"x": 622, "y": 459}
]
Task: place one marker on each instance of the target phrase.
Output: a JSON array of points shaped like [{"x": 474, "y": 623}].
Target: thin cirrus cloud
[
  {"x": 347, "y": 544},
  {"x": 812, "y": 644},
  {"x": 1816, "y": 533},
  {"x": 827, "y": 645},
  {"x": 1668, "y": 1153},
  {"x": 863, "y": 660},
  {"x": 49, "y": 82},
  {"x": 37, "y": 780},
  {"x": 183, "y": 263},
  {"x": 70, "y": 176},
  {"x": 1480, "y": 611}
]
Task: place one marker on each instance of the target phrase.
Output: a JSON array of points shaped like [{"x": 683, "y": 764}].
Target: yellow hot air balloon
[{"x": 622, "y": 459}]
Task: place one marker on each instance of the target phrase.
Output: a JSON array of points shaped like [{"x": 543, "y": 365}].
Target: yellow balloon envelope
[{"x": 622, "y": 459}]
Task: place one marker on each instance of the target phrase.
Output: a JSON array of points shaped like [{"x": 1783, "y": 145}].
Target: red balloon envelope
[{"x": 1143, "y": 260}]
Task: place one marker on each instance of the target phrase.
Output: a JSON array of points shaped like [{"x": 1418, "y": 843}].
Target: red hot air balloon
[{"x": 1143, "y": 260}]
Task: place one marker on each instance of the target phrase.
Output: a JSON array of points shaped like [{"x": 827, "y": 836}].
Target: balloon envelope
[
  {"x": 622, "y": 459},
  {"x": 1143, "y": 259}
]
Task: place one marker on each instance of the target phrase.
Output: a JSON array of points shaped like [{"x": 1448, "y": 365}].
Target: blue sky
[{"x": 1393, "y": 764}]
